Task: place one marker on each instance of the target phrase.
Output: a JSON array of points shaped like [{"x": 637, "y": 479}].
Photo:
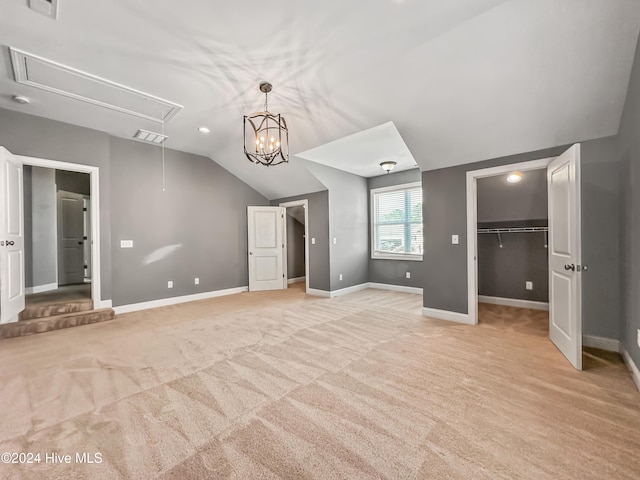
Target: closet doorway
[
  {"x": 563, "y": 247},
  {"x": 296, "y": 236}
]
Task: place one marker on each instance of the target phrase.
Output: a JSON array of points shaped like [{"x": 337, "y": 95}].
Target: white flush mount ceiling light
[
  {"x": 204, "y": 130},
  {"x": 266, "y": 137},
  {"x": 514, "y": 177},
  {"x": 21, "y": 99},
  {"x": 388, "y": 166}
]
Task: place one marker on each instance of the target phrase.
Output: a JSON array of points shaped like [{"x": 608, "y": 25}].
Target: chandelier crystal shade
[{"x": 266, "y": 138}]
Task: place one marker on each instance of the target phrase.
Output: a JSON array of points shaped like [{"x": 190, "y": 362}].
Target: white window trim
[{"x": 389, "y": 256}]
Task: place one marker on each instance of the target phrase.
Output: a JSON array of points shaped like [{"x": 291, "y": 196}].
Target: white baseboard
[
  {"x": 296, "y": 280},
  {"x": 514, "y": 302},
  {"x": 446, "y": 315},
  {"x": 103, "y": 304},
  {"x": 603, "y": 343},
  {"x": 41, "y": 288},
  {"x": 163, "y": 302},
  {"x": 318, "y": 293},
  {"x": 395, "y": 288},
  {"x": 363, "y": 286},
  {"x": 348, "y": 290},
  {"x": 633, "y": 368}
]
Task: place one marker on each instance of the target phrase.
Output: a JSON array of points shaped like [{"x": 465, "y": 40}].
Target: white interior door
[
  {"x": 266, "y": 246},
  {"x": 70, "y": 238},
  {"x": 565, "y": 285},
  {"x": 11, "y": 238}
]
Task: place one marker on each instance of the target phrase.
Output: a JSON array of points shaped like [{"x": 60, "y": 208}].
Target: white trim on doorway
[
  {"x": 305, "y": 204},
  {"x": 94, "y": 173},
  {"x": 472, "y": 221}
]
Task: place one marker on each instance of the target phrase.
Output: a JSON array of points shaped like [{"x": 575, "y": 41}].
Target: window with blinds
[{"x": 396, "y": 221}]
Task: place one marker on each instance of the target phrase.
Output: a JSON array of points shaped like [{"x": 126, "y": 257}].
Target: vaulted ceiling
[{"x": 461, "y": 80}]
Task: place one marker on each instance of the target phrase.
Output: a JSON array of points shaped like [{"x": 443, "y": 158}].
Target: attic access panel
[{"x": 38, "y": 72}]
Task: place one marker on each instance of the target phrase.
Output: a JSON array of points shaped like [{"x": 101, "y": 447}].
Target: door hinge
[
  {"x": 85, "y": 238},
  {"x": 84, "y": 209},
  {"x": 283, "y": 275}
]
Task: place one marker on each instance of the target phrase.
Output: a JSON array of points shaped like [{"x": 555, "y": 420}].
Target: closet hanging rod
[{"x": 513, "y": 230}]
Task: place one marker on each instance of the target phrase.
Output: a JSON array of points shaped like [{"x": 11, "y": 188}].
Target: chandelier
[{"x": 266, "y": 138}]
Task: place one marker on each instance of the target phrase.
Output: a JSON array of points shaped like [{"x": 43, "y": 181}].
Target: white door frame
[
  {"x": 472, "y": 223},
  {"x": 305, "y": 204},
  {"x": 94, "y": 173}
]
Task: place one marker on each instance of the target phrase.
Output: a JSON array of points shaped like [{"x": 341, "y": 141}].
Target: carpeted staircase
[{"x": 39, "y": 317}]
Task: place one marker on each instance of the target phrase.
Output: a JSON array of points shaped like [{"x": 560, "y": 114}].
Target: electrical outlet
[
  {"x": 407, "y": 275},
  {"x": 335, "y": 240},
  {"x": 196, "y": 281},
  {"x": 126, "y": 243},
  {"x": 455, "y": 240},
  {"x": 170, "y": 284},
  {"x": 528, "y": 285},
  {"x": 340, "y": 277}
]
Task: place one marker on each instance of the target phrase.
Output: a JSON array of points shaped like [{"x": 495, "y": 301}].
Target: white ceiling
[
  {"x": 362, "y": 153},
  {"x": 461, "y": 81}
]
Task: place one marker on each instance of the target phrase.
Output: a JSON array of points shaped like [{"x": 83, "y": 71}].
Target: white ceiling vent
[
  {"x": 54, "y": 77},
  {"x": 150, "y": 137},
  {"x": 45, "y": 7}
]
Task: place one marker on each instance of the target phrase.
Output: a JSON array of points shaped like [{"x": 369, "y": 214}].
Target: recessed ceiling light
[
  {"x": 21, "y": 99},
  {"x": 514, "y": 177},
  {"x": 204, "y": 130}
]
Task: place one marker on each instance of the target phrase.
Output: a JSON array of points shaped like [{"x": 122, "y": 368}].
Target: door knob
[
  {"x": 250, "y": 253},
  {"x": 570, "y": 266}
]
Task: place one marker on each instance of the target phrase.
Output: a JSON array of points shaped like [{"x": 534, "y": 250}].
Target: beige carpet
[{"x": 281, "y": 385}]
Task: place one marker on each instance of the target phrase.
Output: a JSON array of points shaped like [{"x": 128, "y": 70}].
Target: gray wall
[
  {"x": 393, "y": 272},
  {"x": 349, "y": 225},
  {"x": 629, "y": 156},
  {"x": 75, "y": 182},
  {"x": 44, "y": 228},
  {"x": 200, "y": 221},
  {"x": 295, "y": 248},
  {"x": 502, "y": 272},
  {"x": 28, "y": 233},
  {"x": 319, "y": 261},
  {"x": 203, "y": 209},
  {"x": 444, "y": 214},
  {"x": 32, "y": 136},
  {"x": 500, "y": 201}
]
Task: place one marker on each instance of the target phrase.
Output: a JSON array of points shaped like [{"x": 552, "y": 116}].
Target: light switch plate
[
  {"x": 528, "y": 285},
  {"x": 639, "y": 337},
  {"x": 170, "y": 284},
  {"x": 455, "y": 240},
  {"x": 196, "y": 281},
  {"x": 126, "y": 243},
  {"x": 407, "y": 275},
  {"x": 313, "y": 240}
]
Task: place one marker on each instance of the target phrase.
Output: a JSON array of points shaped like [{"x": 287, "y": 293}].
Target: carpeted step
[
  {"x": 56, "y": 322},
  {"x": 54, "y": 309}
]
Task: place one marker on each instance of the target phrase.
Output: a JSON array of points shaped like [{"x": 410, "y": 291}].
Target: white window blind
[{"x": 397, "y": 221}]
